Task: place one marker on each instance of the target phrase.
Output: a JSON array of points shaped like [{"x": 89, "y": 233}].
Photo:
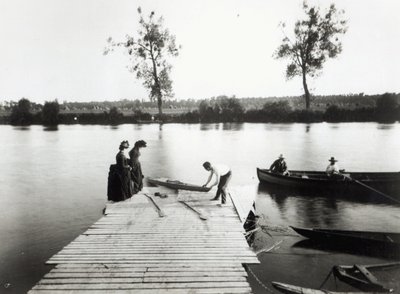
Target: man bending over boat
[
  {"x": 279, "y": 166},
  {"x": 222, "y": 174}
]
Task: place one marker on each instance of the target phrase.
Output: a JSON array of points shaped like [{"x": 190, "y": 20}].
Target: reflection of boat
[
  {"x": 385, "y": 181},
  {"x": 291, "y": 289},
  {"x": 382, "y": 240},
  {"x": 178, "y": 185},
  {"x": 378, "y": 277}
]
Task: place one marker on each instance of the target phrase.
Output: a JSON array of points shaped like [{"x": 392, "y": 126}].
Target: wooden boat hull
[
  {"x": 362, "y": 276},
  {"x": 382, "y": 240},
  {"x": 177, "y": 185},
  {"x": 388, "y": 182},
  {"x": 291, "y": 289}
]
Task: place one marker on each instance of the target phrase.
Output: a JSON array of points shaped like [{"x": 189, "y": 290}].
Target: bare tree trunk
[
  {"x": 157, "y": 86},
  {"x": 306, "y": 92},
  {"x": 159, "y": 103}
]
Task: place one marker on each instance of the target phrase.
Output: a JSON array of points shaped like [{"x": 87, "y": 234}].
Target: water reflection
[
  {"x": 209, "y": 127},
  {"x": 22, "y": 128},
  {"x": 334, "y": 126},
  {"x": 279, "y": 193},
  {"x": 371, "y": 251},
  {"x": 50, "y": 128},
  {"x": 385, "y": 126},
  {"x": 137, "y": 127},
  {"x": 232, "y": 126},
  {"x": 278, "y": 127}
]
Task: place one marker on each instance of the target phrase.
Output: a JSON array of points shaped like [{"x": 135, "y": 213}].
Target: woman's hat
[
  {"x": 124, "y": 144},
  {"x": 141, "y": 143},
  {"x": 332, "y": 159}
]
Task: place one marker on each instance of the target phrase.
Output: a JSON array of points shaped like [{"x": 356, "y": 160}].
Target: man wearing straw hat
[{"x": 333, "y": 168}]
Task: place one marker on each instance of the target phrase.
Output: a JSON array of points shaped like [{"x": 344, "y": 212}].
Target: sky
[{"x": 53, "y": 49}]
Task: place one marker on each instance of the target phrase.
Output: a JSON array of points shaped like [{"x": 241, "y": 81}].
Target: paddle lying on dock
[
  {"x": 159, "y": 210},
  {"x": 201, "y": 216},
  {"x": 370, "y": 188}
]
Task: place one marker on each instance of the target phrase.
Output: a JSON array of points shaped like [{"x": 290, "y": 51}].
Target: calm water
[{"x": 53, "y": 182}]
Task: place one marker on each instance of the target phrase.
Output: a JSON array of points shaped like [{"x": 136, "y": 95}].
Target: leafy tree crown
[{"x": 315, "y": 40}]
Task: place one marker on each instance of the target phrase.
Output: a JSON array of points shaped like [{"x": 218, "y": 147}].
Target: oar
[
  {"x": 159, "y": 211},
  {"x": 370, "y": 188},
  {"x": 201, "y": 216}
]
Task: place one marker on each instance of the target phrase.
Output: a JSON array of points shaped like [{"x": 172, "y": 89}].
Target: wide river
[{"x": 53, "y": 183}]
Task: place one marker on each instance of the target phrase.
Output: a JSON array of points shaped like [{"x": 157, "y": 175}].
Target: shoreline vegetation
[{"x": 383, "y": 108}]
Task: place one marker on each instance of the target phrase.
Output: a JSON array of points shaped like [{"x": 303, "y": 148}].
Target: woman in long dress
[
  {"x": 119, "y": 180},
  {"x": 136, "y": 172}
]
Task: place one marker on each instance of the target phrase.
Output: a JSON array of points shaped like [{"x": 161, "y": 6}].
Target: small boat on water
[
  {"x": 177, "y": 185},
  {"x": 381, "y": 240},
  {"x": 291, "y": 289},
  {"x": 377, "y": 277},
  {"x": 387, "y": 182}
]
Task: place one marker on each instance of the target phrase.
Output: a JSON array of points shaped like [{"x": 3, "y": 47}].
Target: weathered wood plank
[
  {"x": 237, "y": 290},
  {"x": 149, "y": 250},
  {"x": 130, "y": 274},
  {"x": 122, "y": 280},
  {"x": 118, "y": 286},
  {"x": 132, "y": 250},
  {"x": 155, "y": 266}
]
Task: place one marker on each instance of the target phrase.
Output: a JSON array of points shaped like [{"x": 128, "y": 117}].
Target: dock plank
[{"x": 135, "y": 249}]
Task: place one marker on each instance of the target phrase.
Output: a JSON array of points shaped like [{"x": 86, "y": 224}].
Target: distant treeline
[
  {"x": 320, "y": 103},
  {"x": 356, "y": 108}
]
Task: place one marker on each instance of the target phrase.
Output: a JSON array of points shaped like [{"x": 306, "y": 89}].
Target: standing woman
[
  {"x": 136, "y": 172},
  {"x": 123, "y": 172}
]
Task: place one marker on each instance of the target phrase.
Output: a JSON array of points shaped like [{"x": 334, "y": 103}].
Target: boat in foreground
[
  {"x": 177, "y": 185},
  {"x": 291, "y": 289},
  {"x": 381, "y": 240},
  {"x": 377, "y": 277},
  {"x": 388, "y": 182}
]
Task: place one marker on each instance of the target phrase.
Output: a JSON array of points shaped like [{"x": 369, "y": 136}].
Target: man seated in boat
[
  {"x": 279, "y": 166},
  {"x": 332, "y": 169}
]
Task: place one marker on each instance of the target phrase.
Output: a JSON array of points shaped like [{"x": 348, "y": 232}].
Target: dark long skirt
[
  {"x": 137, "y": 177},
  {"x": 119, "y": 184}
]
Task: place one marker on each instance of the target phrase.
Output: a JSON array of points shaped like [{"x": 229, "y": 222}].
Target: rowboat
[
  {"x": 388, "y": 182},
  {"x": 382, "y": 240},
  {"x": 291, "y": 289},
  {"x": 177, "y": 185},
  {"x": 377, "y": 277}
]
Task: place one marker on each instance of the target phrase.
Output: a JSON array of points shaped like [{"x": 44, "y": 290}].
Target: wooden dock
[{"x": 184, "y": 243}]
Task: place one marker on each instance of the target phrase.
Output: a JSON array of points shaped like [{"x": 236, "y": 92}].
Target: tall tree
[
  {"x": 149, "y": 52},
  {"x": 50, "y": 113},
  {"x": 21, "y": 113},
  {"x": 315, "y": 40}
]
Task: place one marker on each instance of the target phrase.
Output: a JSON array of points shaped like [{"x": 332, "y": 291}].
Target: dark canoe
[
  {"x": 378, "y": 240},
  {"x": 377, "y": 277},
  {"x": 388, "y": 182},
  {"x": 177, "y": 185},
  {"x": 291, "y": 289}
]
